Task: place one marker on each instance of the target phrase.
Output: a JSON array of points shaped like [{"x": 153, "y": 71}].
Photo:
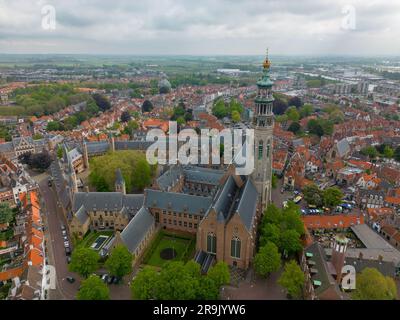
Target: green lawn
[{"x": 163, "y": 241}]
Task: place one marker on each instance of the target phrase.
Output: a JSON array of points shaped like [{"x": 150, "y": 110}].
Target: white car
[{"x": 66, "y": 244}]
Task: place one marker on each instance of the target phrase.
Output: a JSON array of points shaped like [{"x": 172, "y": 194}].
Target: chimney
[{"x": 338, "y": 255}]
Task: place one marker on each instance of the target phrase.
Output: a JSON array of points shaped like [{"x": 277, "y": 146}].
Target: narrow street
[{"x": 55, "y": 242}]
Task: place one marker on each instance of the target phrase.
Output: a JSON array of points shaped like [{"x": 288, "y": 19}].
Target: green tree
[
  {"x": 93, "y": 288},
  {"x": 267, "y": 260},
  {"x": 370, "y": 151},
  {"x": 102, "y": 101},
  {"x": 332, "y": 197},
  {"x": 388, "y": 152},
  {"x": 176, "y": 283},
  {"x": 272, "y": 215},
  {"x": 270, "y": 233},
  {"x": 293, "y": 279},
  {"x": 144, "y": 284},
  {"x": 119, "y": 263},
  {"x": 6, "y": 213},
  {"x": 290, "y": 242},
  {"x": 293, "y": 114},
  {"x": 141, "y": 177},
  {"x": 291, "y": 218},
  {"x": 147, "y": 106},
  {"x": 59, "y": 152},
  {"x": 313, "y": 195},
  {"x": 372, "y": 285},
  {"x": 294, "y": 127},
  {"x": 306, "y": 110},
  {"x": 315, "y": 127},
  {"x": 84, "y": 261},
  {"x": 219, "y": 274},
  {"x": 219, "y": 109},
  {"x": 235, "y": 116}
]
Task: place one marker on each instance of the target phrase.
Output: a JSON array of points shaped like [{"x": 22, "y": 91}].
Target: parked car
[
  {"x": 104, "y": 277},
  {"x": 67, "y": 251},
  {"x": 304, "y": 211},
  {"x": 116, "y": 280},
  {"x": 65, "y": 238},
  {"x": 68, "y": 259},
  {"x": 110, "y": 279},
  {"x": 62, "y": 227},
  {"x": 66, "y": 244},
  {"x": 70, "y": 279},
  {"x": 64, "y": 232},
  {"x": 297, "y": 199}
]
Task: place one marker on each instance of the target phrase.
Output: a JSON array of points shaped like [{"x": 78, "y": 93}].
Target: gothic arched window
[
  {"x": 260, "y": 149},
  {"x": 235, "y": 247},
  {"x": 268, "y": 148},
  {"x": 211, "y": 243}
]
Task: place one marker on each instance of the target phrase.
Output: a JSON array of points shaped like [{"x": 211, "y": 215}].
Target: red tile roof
[{"x": 331, "y": 221}]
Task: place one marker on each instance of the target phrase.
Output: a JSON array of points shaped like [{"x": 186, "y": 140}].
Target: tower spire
[{"x": 267, "y": 62}]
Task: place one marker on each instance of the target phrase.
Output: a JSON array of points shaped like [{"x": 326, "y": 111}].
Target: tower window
[
  {"x": 268, "y": 147},
  {"x": 211, "y": 243},
  {"x": 235, "y": 247},
  {"x": 260, "y": 149}
]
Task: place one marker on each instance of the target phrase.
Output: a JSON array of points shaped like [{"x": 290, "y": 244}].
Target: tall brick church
[{"x": 221, "y": 208}]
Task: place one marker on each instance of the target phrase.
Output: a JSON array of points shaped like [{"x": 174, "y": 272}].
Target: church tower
[{"x": 263, "y": 124}]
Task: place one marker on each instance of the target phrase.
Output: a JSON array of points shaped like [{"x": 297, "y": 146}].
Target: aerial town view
[{"x": 199, "y": 150}]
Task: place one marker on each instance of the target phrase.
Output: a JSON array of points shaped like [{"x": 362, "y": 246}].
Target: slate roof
[
  {"x": 224, "y": 198},
  {"x": 6, "y": 147},
  {"x": 203, "y": 175},
  {"x": 74, "y": 154},
  {"x": 178, "y": 202},
  {"x": 137, "y": 229},
  {"x": 370, "y": 238},
  {"x": 110, "y": 201},
  {"x": 343, "y": 147},
  {"x": 247, "y": 207},
  {"x": 169, "y": 177},
  {"x": 323, "y": 275},
  {"x": 132, "y": 145},
  {"x": 82, "y": 215},
  {"x": 97, "y": 147}
]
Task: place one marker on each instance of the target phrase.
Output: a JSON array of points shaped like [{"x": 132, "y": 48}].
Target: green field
[{"x": 182, "y": 246}]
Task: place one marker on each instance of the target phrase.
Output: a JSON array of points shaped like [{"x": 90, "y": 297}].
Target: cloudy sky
[{"x": 201, "y": 27}]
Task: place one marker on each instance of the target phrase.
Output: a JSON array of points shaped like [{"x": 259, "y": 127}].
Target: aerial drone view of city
[{"x": 196, "y": 150}]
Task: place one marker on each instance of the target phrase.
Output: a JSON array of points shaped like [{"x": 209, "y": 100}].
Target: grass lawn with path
[{"x": 164, "y": 241}]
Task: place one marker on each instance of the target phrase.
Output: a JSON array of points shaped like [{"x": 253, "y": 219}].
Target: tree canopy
[
  {"x": 292, "y": 279},
  {"x": 39, "y": 161},
  {"x": 102, "y": 102},
  {"x": 119, "y": 263},
  {"x": 267, "y": 260},
  {"x": 180, "y": 281},
  {"x": 372, "y": 285},
  {"x": 6, "y": 213},
  {"x": 136, "y": 171},
  {"x": 147, "y": 106},
  {"x": 84, "y": 261},
  {"x": 93, "y": 288}
]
